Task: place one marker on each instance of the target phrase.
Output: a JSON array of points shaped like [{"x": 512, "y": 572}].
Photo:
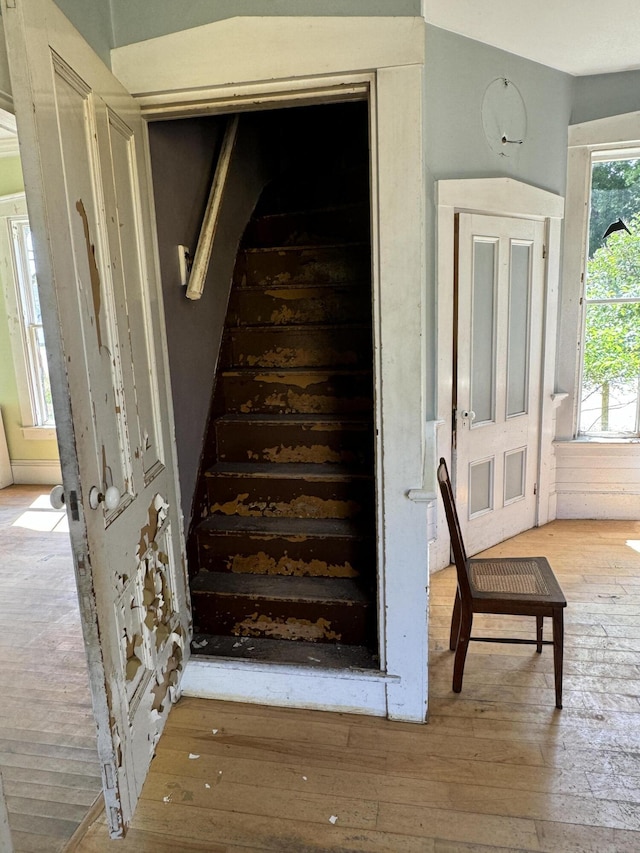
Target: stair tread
[
  {"x": 311, "y": 211},
  {"x": 290, "y": 418},
  {"x": 284, "y": 526},
  {"x": 288, "y": 470},
  {"x": 315, "y": 247},
  {"x": 317, "y": 655},
  {"x": 308, "y": 328},
  {"x": 302, "y": 285},
  {"x": 301, "y": 371},
  {"x": 282, "y": 588}
]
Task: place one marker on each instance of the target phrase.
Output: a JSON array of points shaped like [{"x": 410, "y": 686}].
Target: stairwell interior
[{"x": 282, "y": 538}]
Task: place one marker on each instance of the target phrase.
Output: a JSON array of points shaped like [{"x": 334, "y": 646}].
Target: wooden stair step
[
  {"x": 289, "y": 489},
  {"x": 297, "y": 390},
  {"x": 301, "y": 653},
  {"x": 307, "y": 264},
  {"x": 313, "y": 609},
  {"x": 306, "y": 547},
  {"x": 323, "y": 225},
  {"x": 298, "y": 346},
  {"x": 294, "y": 304},
  {"x": 295, "y": 471},
  {"x": 306, "y": 438}
]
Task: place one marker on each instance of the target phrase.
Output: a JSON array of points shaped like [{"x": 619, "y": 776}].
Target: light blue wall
[
  {"x": 135, "y": 21},
  {"x": 457, "y": 73},
  {"x": 603, "y": 95},
  {"x": 93, "y": 19}
]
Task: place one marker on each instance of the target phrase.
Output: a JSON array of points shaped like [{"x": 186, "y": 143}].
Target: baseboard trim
[{"x": 36, "y": 472}]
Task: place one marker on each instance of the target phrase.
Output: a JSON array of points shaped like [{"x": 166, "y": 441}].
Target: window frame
[
  {"x": 605, "y": 155},
  {"x": 13, "y": 209},
  {"x": 614, "y": 137}
]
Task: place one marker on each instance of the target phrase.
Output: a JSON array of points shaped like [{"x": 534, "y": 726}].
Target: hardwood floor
[
  {"x": 497, "y": 768},
  {"x": 48, "y": 757}
]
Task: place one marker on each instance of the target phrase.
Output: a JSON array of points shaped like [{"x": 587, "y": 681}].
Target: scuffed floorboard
[
  {"x": 47, "y": 733},
  {"x": 498, "y": 768}
]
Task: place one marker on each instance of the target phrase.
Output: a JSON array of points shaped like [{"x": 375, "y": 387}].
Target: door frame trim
[
  {"x": 337, "y": 59},
  {"x": 510, "y": 198}
]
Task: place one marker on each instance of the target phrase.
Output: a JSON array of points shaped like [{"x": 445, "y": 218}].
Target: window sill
[
  {"x": 32, "y": 433},
  {"x": 604, "y": 439}
]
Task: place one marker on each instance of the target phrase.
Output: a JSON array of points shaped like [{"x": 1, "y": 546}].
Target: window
[
  {"x": 22, "y": 305},
  {"x": 609, "y": 400},
  {"x": 33, "y": 335}
]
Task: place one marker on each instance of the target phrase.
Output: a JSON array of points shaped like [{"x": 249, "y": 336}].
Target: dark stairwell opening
[{"x": 282, "y": 540}]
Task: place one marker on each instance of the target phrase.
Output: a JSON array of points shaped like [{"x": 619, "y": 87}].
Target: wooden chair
[{"x": 512, "y": 586}]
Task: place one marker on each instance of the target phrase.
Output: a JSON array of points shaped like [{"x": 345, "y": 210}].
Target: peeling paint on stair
[
  {"x": 261, "y": 563},
  {"x": 305, "y": 506},
  {"x": 261, "y": 625}
]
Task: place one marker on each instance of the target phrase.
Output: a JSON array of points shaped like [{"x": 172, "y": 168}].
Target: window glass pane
[
  {"x": 31, "y": 272},
  {"x": 611, "y": 366},
  {"x": 613, "y": 269},
  {"x": 31, "y": 316},
  {"x": 482, "y": 334},
  {"x": 514, "y": 468},
  {"x": 45, "y": 406},
  {"x": 517, "y": 366},
  {"x": 480, "y": 487}
]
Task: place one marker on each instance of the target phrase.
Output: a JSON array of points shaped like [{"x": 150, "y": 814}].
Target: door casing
[
  {"x": 510, "y": 198},
  {"x": 326, "y": 59}
]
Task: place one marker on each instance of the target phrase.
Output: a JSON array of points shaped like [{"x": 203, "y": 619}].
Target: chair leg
[
  {"x": 466, "y": 620},
  {"x": 558, "y": 647},
  {"x": 539, "y": 630},
  {"x": 455, "y": 623}
]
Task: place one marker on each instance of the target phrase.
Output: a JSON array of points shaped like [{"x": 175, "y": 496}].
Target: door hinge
[
  {"x": 535, "y": 488},
  {"x": 544, "y": 251}
]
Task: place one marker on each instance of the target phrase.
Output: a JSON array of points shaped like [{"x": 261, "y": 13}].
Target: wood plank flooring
[
  {"x": 497, "y": 768},
  {"x": 48, "y": 756}
]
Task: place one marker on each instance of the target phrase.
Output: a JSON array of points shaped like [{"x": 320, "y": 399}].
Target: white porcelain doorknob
[
  {"x": 110, "y": 498},
  {"x": 56, "y": 497}
]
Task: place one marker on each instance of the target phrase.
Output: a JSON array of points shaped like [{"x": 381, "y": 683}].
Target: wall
[
  {"x": 184, "y": 154},
  {"x": 138, "y": 21},
  {"x": 602, "y": 95},
  {"x": 11, "y": 180},
  {"x": 26, "y": 455},
  {"x": 457, "y": 73},
  {"x": 92, "y": 18}
]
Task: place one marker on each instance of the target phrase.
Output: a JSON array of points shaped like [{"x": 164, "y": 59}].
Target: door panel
[
  {"x": 83, "y": 154},
  {"x": 499, "y": 333}
]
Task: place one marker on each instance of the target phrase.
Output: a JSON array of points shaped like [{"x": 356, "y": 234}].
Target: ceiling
[{"x": 577, "y": 36}]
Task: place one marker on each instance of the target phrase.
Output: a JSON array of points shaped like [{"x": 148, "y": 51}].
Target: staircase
[{"x": 283, "y": 550}]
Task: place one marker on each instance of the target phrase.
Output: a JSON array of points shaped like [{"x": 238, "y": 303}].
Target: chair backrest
[{"x": 457, "y": 543}]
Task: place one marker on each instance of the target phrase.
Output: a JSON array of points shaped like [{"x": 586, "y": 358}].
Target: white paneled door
[
  {"x": 84, "y": 157},
  {"x": 500, "y": 301}
]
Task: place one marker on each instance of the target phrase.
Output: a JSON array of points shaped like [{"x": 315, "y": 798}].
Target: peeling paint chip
[
  {"x": 167, "y": 799},
  {"x": 304, "y": 778},
  {"x": 199, "y": 644},
  {"x": 214, "y": 731},
  {"x": 333, "y": 818},
  {"x": 207, "y": 785},
  {"x": 193, "y": 755}
]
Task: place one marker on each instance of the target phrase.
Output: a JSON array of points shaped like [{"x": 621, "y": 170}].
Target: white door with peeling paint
[
  {"x": 500, "y": 286},
  {"x": 84, "y": 157}
]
